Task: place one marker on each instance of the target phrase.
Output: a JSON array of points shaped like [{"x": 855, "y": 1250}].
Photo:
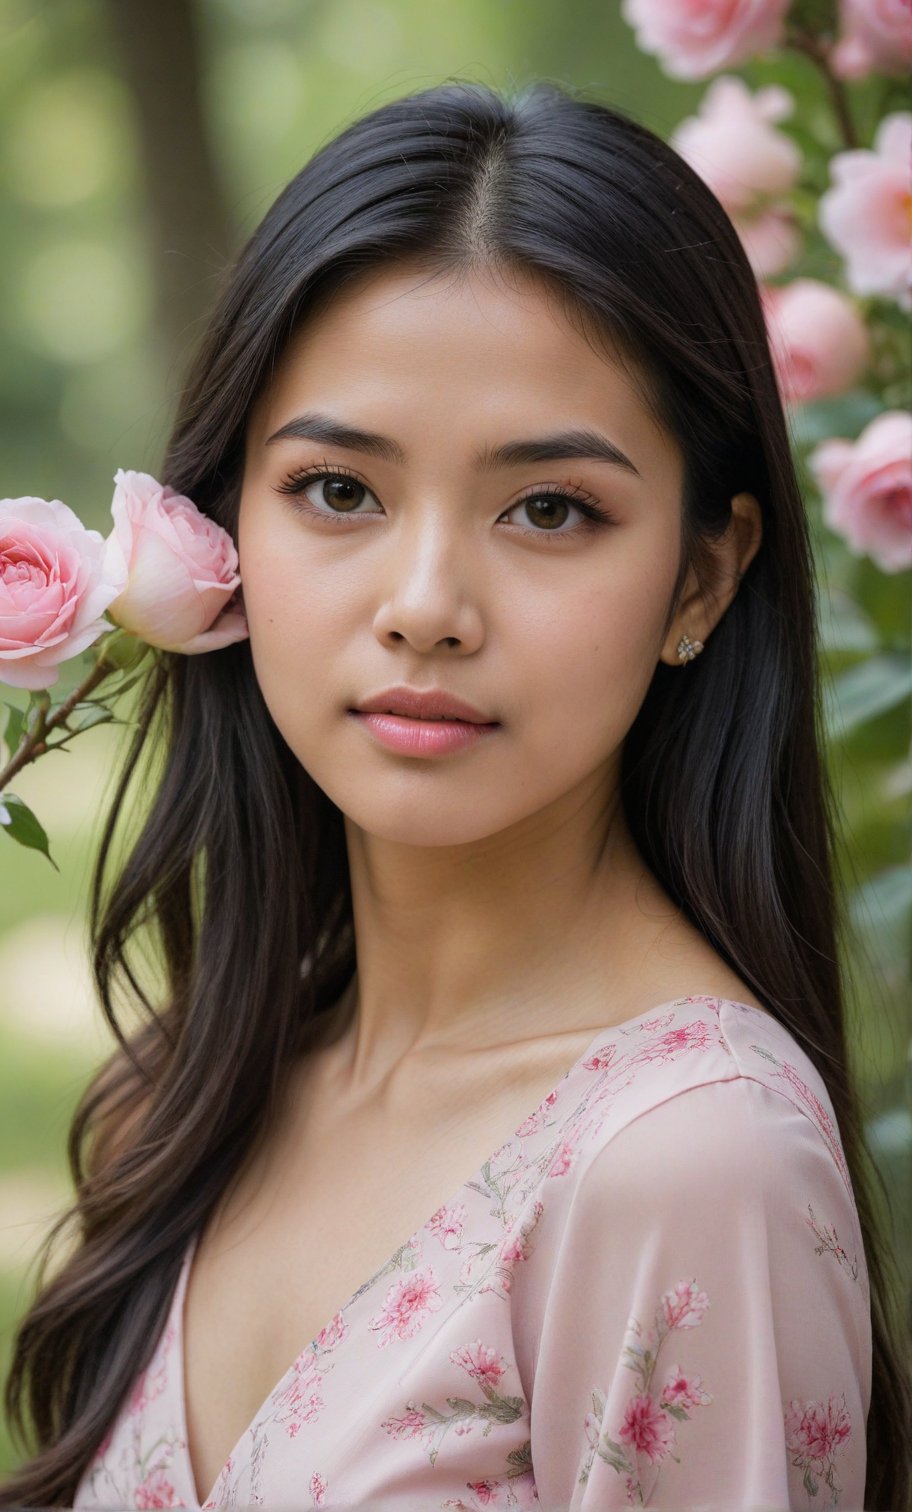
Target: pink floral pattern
[
  {"x": 406, "y": 1307},
  {"x": 431, "y": 1387},
  {"x": 647, "y": 1429},
  {"x": 812, "y": 1104},
  {"x": 157, "y": 1491},
  {"x": 829, "y": 1245},
  {"x": 815, "y": 1432},
  {"x": 485, "y": 1367}
]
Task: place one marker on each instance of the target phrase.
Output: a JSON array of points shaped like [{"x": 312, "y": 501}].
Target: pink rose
[
  {"x": 54, "y": 588},
  {"x": 749, "y": 165},
  {"x": 181, "y": 569},
  {"x": 865, "y": 215},
  {"x": 867, "y": 489},
  {"x": 876, "y": 37},
  {"x": 694, "y": 38},
  {"x": 819, "y": 342}
]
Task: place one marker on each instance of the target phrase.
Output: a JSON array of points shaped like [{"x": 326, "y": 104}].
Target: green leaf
[
  {"x": 115, "y": 689},
  {"x": 124, "y": 650},
  {"x": 85, "y": 715},
  {"x": 24, "y": 827},
  {"x": 843, "y": 416},
  {"x": 15, "y": 727},
  {"x": 864, "y": 692},
  {"x": 38, "y": 704}
]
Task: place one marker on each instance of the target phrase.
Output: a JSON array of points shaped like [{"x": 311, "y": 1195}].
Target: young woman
[{"x": 493, "y": 1142}]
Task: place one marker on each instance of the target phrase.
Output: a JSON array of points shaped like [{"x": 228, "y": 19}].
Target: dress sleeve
[{"x": 706, "y": 1330}]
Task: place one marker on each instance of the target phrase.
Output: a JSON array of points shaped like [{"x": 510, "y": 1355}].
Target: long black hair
[{"x": 723, "y": 783}]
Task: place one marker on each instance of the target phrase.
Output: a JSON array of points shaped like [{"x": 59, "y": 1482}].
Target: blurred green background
[{"x": 140, "y": 142}]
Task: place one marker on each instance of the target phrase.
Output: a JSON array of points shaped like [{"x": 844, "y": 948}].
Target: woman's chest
[
  {"x": 281, "y": 1264},
  {"x": 307, "y": 1228}
]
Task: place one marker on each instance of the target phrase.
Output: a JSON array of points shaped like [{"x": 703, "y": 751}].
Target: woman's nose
[{"x": 430, "y": 590}]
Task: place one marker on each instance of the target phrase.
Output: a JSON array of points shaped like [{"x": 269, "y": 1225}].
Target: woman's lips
[{"x": 423, "y": 737}]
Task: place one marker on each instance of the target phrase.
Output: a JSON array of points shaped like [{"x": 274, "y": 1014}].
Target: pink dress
[{"x": 653, "y": 1294}]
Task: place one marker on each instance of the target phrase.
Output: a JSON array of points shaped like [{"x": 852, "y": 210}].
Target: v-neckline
[{"x": 601, "y": 1037}]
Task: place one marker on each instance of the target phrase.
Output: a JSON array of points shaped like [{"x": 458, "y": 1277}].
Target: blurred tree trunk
[{"x": 190, "y": 227}]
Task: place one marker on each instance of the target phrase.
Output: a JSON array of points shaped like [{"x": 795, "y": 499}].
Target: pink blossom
[
  {"x": 317, "y": 1488},
  {"x": 448, "y": 1223},
  {"x": 818, "y": 340},
  {"x": 695, "y": 38},
  {"x": 564, "y": 1158},
  {"x": 513, "y": 1250},
  {"x": 55, "y": 587},
  {"x": 875, "y": 37},
  {"x": 866, "y": 214},
  {"x": 647, "y": 1428},
  {"x": 600, "y": 1060},
  {"x": 153, "y": 1380},
  {"x": 334, "y": 1331},
  {"x": 694, "y": 1036},
  {"x": 180, "y": 569},
  {"x": 406, "y": 1306},
  {"x": 680, "y": 1390},
  {"x": 750, "y": 166},
  {"x": 150, "y": 1385},
  {"x": 296, "y": 1403},
  {"x": 483, "y": 1364},
  {"x": 684, "y": 1305},
  {"x": 156, "y": 1491},
  {"x": 817, "y": 1430},
  {"x": 867, "y": 496},
  {"x": 535, "y": 1120},
  {"x": 412, "y": 1425},
  {"x": 517, "y": 1247}
]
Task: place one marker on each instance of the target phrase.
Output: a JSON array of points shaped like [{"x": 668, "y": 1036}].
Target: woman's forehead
[{"x": 495, "y": 342}]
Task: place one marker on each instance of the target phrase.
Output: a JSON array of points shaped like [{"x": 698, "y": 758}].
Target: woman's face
[{"x": 456, "y": 553}]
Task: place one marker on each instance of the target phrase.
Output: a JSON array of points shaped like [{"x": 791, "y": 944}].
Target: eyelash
[{"x": 594, "y": 515}]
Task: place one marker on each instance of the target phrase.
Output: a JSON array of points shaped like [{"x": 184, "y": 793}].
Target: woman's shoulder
[{"x": 707, "y": 1073}]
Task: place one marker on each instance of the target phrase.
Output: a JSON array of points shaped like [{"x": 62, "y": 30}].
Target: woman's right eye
[{"x": 331, "y": 495}]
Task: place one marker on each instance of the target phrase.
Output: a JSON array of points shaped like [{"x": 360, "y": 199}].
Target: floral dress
[{"x": 653, "y": 1294}]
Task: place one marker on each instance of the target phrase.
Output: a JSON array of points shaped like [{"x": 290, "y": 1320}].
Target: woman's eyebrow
[{"x": 561, "y": 446}]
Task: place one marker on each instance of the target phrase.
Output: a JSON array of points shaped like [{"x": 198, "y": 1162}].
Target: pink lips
[
  {"x": 423, "y": 721},
  {"x": 423, "y": 737},
  {"x": 422, "y": 703}
]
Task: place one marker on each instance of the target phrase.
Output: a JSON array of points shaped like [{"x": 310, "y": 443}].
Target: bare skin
[{"x": 503, "y": 915}]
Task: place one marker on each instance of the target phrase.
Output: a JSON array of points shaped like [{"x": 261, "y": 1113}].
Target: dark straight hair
[{"x": 723, "y": 783}]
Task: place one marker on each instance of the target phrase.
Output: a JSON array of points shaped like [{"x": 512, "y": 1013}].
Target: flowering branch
[
  {"x": 47, "y": 717},
  {"x": 165, "y": 577}
]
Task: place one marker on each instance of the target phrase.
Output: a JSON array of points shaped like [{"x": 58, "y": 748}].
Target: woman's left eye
[
  {"x": 341, "y": 494},
  {"x": 550, "y": 510}
]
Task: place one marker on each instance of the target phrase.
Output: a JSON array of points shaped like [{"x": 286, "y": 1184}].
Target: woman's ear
[{"x": 703, "y": 604}]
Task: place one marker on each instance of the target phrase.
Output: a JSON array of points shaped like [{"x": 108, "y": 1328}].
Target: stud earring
[{"x": 688, "y": 649}]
